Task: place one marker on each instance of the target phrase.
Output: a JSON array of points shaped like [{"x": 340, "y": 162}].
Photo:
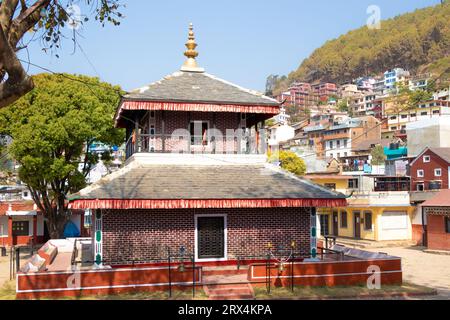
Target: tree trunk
[
  {"x": 18, "y": 82},
  {"x": 56, "y": 223}
]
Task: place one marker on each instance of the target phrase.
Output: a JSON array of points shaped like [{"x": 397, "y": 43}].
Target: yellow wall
[
  {"x": 341, "y": 185},
  {"x": 375, "y": 233}
]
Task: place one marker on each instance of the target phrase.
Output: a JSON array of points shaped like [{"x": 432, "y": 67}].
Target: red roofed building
[
  {"x": 437, "y": 211},
  {"x": 20, "y": 224}
]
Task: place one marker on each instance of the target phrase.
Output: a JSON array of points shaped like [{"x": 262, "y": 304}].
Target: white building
[
  {"x": 280, "y": 133},
  {"x": 443, "y": 94},
  {"x": 424, "y": 111},
  {"x": 282, "y": 118},
  {"x": 432, "y": 132},
  {"x": 394, "y": 76}
]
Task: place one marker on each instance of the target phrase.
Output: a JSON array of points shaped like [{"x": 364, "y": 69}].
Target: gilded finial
[{"x": 191, "y": 64}]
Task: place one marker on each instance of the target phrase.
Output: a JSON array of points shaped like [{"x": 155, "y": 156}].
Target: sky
[{"x": 240, "y": 41}]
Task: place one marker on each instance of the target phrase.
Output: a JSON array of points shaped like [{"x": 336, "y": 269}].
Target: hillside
[{"x": 418, "y": 41}]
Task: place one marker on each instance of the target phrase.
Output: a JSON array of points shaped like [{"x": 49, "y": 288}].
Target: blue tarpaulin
[{"x": 71, "y": 230}]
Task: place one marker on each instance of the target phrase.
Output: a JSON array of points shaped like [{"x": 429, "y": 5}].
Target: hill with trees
[{"x": 417, "y": 41}]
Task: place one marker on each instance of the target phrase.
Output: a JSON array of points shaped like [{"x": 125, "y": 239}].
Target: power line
[{"x": 119, "y": 92}]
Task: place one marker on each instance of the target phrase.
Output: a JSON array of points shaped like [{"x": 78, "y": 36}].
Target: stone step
[
  {"x": 229, "y": 290},
  {"x": 225, "y": 279}
]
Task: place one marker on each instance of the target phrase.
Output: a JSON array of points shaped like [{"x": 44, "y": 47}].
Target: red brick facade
[
  {"x": 145, "y": 234},
  {"x": 174, "y": 121},
  {"x": 428, "y": 169},
  {"x": 438, "y": 238}
]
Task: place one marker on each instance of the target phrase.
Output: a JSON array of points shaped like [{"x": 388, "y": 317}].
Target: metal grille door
[{"x": 211, "y": 237}]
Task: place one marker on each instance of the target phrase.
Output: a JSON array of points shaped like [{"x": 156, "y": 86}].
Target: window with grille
[{"x": 211, "y": 237}]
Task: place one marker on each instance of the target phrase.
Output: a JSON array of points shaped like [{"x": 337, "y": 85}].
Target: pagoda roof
[
  {"x": 197, "y": 92},
  {"x": 198, "y": 87},
  {"x": 144, "y": 186}
]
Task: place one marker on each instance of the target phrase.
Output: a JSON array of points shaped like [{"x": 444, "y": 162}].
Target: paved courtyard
[{"x": 431, "y": 270}]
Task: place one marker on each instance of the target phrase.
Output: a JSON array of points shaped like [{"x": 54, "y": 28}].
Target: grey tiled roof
[
  {"x": 444, "y": 153},
  {"x": 198, "y": 87},
  {"x": 153, "y": 182}
]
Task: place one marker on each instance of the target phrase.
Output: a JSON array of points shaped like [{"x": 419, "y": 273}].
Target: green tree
[
  {"x": 290, "y": 162},
  {"x": 343, "y": 105},
  {"x": 52, "y": 127},
  {"x": 50, "y": 21},
  {"x": 378, "y": 156}
]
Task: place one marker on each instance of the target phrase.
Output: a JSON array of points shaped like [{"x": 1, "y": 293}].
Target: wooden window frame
[
  {"x": 438, "y": 175},
  {"x": 24, "y": 233},
  {"x": 420, "y": 175}
]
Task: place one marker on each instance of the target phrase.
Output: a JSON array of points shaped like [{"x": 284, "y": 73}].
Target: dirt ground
[
  {"x": 5, "y": 265},
  {"x": 426, "y": 269}
]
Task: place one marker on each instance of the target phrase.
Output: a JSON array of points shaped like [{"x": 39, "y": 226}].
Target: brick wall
[
  {"x": 180, "y": 120},
  {"x": 438, "y": 238},
  {"x": 145, "y": 234}
]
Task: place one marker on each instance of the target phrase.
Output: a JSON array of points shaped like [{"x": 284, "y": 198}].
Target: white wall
[
  {"x": 282, "y": 133},
  {"x": 40, "y": 226},
  {"x": 4, "y": 226},
  {"x": 433, "y": 133}
]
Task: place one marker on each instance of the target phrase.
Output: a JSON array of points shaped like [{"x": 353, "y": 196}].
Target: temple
[
  {"x": 196, "y": 176},
  {"x": 197, "y": 205}
]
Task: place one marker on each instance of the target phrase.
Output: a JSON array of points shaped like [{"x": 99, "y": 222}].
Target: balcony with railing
[
  {"x": 391, "y": 198},
  {"x": 196, "y": 144}
]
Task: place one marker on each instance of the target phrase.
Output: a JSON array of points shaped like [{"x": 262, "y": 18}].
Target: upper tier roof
[
  {"x": 192, "y": 89},
  {"x": 198, "y": 87}
]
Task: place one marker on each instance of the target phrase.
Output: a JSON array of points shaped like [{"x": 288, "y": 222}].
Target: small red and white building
[
  {"x": 437, "y": 211},
  {"x": 20, "y": 224}
]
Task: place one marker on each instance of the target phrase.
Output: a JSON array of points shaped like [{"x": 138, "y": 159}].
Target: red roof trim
[
  {"x": 199, "y": 107},
  {"x": 441, "y": 199},
  {"x": 205, "y": 204}
]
